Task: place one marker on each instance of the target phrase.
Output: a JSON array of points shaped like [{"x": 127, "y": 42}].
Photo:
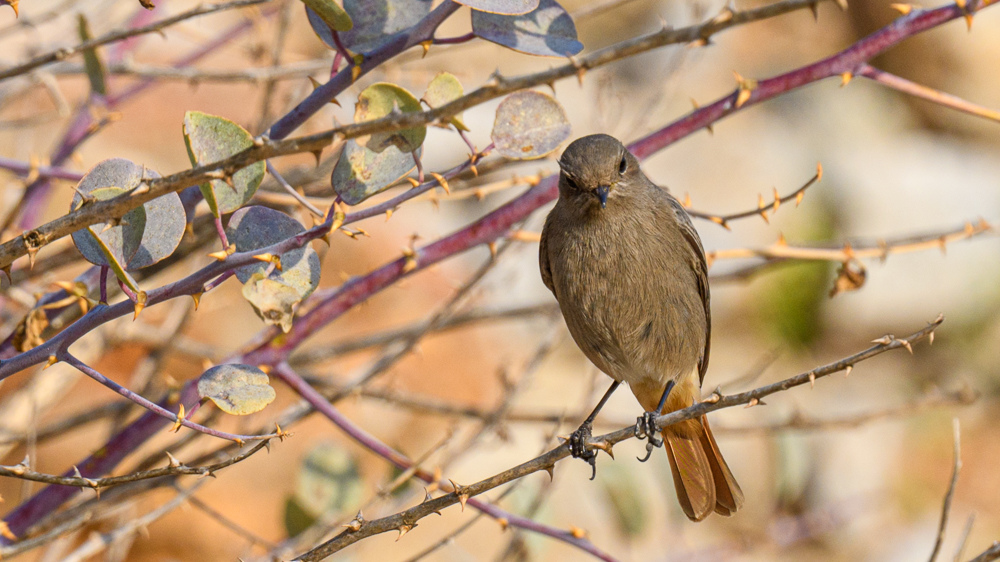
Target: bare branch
[{"x": 946, "y": 507}]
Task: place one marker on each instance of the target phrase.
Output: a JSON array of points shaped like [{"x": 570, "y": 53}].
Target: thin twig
[
  {"x": 946, "y": 507},
  {"x": 23, "y": 472},
  {"x": 66, "y": 52}
]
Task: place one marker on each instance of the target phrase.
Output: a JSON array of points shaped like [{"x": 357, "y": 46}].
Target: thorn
[
  {"x": 270, "y": 258},
  {"x": 930, "y": 338},
  {"x": 847, "y": 371},
  {"x": 606, "y": 447},
  {"x": 687, "y": 201},
  {"x": 819, "y": 172},
  {"x": 140, "y": 303},
  {"x": 745, "y": 89},
  {"x": 403, "y": 529},
  {"x": 493, "y": 249},
  {"x": 388, "y": 214},
  {"x": 355, "y": 524},
  {"x": 427, "y": 46},
  {"x": 173, "y": 462},
  {"x": 814, "y": 8},
  {"x": 442, "y": 181},
  {"x": 577, "y": 532},
  {"x": 196, "y": 297},
  {"x": 239, "y": 443},
  {"x": 318, "y": 153},
  {"x": 4, "y": 529},
  {"x": 180, "y": 418},
  {"x": 411, "y": 260},
  {"x": 463, "y": 496},
  {"x": 845, "y": 78},
  {"x": 753, "y": 402},
  {"x": 884, "y": 340},
  {"x": 812, "y": 380},
  {"x": 842, "y": 4},
  {"x": 904, "y": 9},
  {"x": 907, "y": 345},
  {"x": 504, "y": 523},
  {"x": 356, "y": 69},
  {"x": 51, "y": 361},
  {"x": 720, "y": 221}
]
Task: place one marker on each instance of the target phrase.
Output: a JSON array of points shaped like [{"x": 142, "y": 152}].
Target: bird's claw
[
  {"x": 645, "y": 428},
  {"x": 578, "y": 447}
]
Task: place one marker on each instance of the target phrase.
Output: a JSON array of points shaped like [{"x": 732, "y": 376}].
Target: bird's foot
[
  {"x": 578, "y": 447},
  {"x": 645, "y": 428}
]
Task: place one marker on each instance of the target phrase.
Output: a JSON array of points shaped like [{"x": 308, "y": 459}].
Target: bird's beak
[{"x": 602, "y": 194}]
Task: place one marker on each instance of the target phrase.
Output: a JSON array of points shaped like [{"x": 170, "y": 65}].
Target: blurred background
[{"x": 861, "y": 473}]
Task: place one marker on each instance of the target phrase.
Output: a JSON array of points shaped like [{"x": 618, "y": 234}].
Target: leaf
[
  {"x": 529, "y": 125},
  {"x": 91, "y": 60},
  {"x": 209, "y": 139},
  {"x": 547, "y": 31},
  {"x": 256, "y": 227},
  {"x": 165, "y": 218},
  {"x": 297, "y": 519},
  {"x": 507, "y": 7},
  {"x": 376, "y": 22},
  {"x": 331, "y": 13},
  {"x": 121, "y": 242},
  {"x": 443, "y": 89},
  {"x": 236, "y": 389},
  {"x": 272, "y": 300},
  {"x": 382, "y": 99},
  {"x": 361, "y": 173},
  {"x": 112, "y": 260},
  {"x": 329, "y": 481}
]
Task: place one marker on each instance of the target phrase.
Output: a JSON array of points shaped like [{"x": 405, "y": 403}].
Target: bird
[{"x": 628, "y": 269}]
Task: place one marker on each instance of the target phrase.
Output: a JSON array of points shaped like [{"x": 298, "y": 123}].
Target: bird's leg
[
  {"x": 645, "y": 426},
  {"x": 578, "y": 439}
]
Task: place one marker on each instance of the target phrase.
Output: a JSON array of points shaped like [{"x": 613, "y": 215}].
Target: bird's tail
[{"x": 702, "y": 478}]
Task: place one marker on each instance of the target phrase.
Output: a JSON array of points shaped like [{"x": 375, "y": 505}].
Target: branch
[
  {"x": 762, "y": 208},
  {"x": 66, "y": 52},
  {"x": 547, "y": 461},
  {"x": 946, "y": 507},
  {"x": 24, "y": 472}
]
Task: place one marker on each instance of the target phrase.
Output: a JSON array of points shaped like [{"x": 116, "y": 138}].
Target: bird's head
[{"x": 596, "y": 170}]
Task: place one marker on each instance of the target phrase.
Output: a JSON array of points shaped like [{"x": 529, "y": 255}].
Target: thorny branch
[
  {"x": 716, "y": 401},
  {"x": 175, "y": 468},
  {"x": 66, "y": 52}
]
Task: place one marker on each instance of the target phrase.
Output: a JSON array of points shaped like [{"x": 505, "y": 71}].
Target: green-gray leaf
[
  {"x": 236, "y": 389},
  {"x": 209, "y": 139},
  {"x": 529, "y": 125}
]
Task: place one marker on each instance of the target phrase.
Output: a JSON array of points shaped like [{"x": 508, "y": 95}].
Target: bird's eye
[
  {"x": 571, "y": 182},
  {"x": 623, "y": 166}
]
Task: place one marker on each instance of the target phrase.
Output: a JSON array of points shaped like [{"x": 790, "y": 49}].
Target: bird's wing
[
  {"x": 543, "y": 260},
  {"x": 700, "y": 268}
]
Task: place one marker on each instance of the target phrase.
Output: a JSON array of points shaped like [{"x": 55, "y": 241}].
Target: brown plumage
[{"x": 629, "y": 272}]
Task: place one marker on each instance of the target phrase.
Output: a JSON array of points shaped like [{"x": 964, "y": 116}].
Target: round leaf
[
  {"x": 236, "y": 389},
  {"x": 529, "y": 125},
  {"x": 507, "y": 7},
  {"x": 331, "y": 13},
  {"x": 376, "y": 22},
  {"x": 547, "y": 31},
  {"x": 121, "y": 242},
  {"x": 361, "y": 173},
  {"x": 256, "y": 227},
  {"x": 380, "y": 100},
  {"x": 443, "y": 89},
  {"x": 165, "y": 218},
  {"x": 210, "y": 139}
]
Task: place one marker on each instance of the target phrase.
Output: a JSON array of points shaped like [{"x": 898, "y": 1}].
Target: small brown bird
[{"x": 629, "y": 272}]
